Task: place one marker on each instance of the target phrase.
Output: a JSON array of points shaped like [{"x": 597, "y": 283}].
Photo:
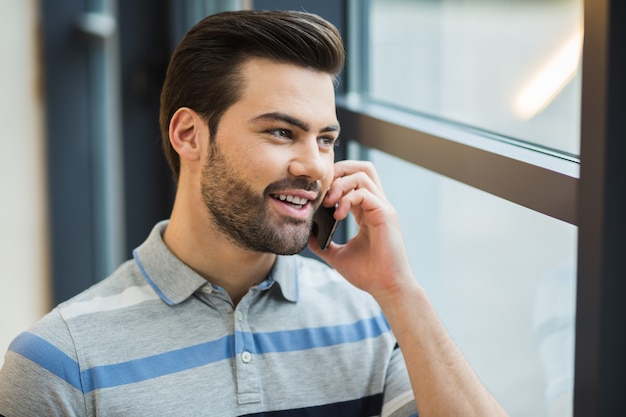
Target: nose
[{"x": 308, "y": 161}]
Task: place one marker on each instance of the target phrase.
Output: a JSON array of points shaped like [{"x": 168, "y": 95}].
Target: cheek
[
  {"x": 330, "y": 175},
  {"x": 261, "y": 166}
]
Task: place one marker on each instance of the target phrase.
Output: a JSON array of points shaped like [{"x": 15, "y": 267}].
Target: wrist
[{"x": 407, "y": 292}]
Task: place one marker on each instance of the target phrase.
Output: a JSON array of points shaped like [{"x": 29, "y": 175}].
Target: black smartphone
[{"x": 324, "y": 226}]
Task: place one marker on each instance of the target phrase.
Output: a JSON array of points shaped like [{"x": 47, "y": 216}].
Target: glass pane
[
  {"x": 502, "y": 278},
  {"x": 506, "y": 66}
]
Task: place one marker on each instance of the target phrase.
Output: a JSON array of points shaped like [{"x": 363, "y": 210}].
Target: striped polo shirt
[{"x": 155, "y": 338}]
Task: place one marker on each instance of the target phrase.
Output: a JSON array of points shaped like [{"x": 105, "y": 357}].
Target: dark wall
[
  {"x": 69, "y": 58},
  {"x": 149, "y": 188}
]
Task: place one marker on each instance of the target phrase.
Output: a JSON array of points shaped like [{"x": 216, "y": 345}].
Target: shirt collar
[
  {"x": 285, "y": 274},
  {"x": 174, "y": 281},
  {"x": 170, "y": 278}
]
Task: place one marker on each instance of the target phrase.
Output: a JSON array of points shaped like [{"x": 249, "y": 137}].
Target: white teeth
[{"x": 292, "y": 199}]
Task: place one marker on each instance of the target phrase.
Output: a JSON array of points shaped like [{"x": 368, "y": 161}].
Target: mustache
[{"x": 294, "y": 183}]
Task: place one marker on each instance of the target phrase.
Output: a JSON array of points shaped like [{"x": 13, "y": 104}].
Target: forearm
[{"x": 442, "y": 380}]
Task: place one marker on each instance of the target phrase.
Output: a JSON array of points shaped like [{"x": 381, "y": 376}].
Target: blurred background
[
  {"x": 83, "y": 178},
  {"x": 24, "y": 241}
]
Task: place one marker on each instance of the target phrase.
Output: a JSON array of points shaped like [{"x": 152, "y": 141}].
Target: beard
[{"x": 241, "y": 214}]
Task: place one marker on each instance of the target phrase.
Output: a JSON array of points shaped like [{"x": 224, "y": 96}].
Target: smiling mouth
[{"x": 296, "y": 202}]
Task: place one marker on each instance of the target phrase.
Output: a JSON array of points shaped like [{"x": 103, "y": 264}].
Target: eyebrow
[{"x": 282, "y": 117}]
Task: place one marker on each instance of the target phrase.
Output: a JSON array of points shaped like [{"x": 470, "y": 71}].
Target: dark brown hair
[{"x": 204, "y": 70}]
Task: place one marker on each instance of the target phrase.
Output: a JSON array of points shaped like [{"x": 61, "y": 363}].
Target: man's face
[{"x": 272, "y": 159}]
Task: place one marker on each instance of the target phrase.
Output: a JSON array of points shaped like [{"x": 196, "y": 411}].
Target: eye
[
  {"x": 328, "y": 141},
  {"x": 280, "y": 133}
]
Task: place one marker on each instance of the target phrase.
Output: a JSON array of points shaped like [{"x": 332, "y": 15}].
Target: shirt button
[
  {"x": 207, "y": 289},
  {"x": 246, "y": 356},
  {"x": 239, "y": 315}
]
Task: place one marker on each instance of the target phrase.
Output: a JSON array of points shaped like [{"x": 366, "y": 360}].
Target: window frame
[
  {"x": 600, "y": 363},
  {"x": 537, "y": 180}
]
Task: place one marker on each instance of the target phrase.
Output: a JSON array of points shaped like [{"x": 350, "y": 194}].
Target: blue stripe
[
  {"x": 316, "y": 337},
  {"x": 48, "y": 356},
  {"x": 147, "y": 277},
  {"x": 138, "y": 370},
  {"x": 105, "y": 376},
  {"x": 199, "y": 355}
]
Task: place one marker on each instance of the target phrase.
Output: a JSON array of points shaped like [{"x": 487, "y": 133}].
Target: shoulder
[
  {"x": 54, "y": 331},
  {"x": 323, "y": 286},
  {"x": 125, "y": 276},
  {"x": 313, "y": 273},
  {"x": 57, "y": 341}
]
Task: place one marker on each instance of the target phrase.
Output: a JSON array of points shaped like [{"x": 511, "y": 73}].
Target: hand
[{"x": 375, "y": 259}]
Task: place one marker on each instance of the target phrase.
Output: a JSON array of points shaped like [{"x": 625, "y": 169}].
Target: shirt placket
[{"x": 246, "y": 358}]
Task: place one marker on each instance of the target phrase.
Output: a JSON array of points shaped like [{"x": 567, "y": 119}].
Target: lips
[{"x": 297, "y": 202}]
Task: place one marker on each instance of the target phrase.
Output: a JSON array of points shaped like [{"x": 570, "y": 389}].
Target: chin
[
  {"x": 295, "y": 242},
  {"x": 290, "y": 248}
]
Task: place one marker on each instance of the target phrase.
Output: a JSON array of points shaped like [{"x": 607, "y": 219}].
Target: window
[
  {"x": 510, "y": 67},
  {"x": 502, "y": 278},
  {"x": 436, "y": 103}
]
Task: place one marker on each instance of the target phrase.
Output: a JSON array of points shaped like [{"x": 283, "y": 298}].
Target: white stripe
[
  {"x": 395, "y": 404},
  {"x": 127, "y": 298}
]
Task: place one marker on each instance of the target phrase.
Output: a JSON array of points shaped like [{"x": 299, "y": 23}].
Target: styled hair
[{"x": 204, "y": 72}]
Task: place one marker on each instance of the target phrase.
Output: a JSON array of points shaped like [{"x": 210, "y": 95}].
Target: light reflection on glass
[{"x": 476, "y": 62}]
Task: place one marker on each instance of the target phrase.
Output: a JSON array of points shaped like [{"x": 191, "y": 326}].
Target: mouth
[{"x": 295, "y": 201}]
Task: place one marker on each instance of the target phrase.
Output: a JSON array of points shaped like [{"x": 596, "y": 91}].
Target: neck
[{"x": 195, "y": 240}]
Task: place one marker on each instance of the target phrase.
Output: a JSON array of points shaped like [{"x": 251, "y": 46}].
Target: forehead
[{"x": 270, "y": 86}]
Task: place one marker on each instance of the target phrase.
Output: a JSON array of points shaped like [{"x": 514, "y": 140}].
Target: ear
[{"x": 187, "y": 133}]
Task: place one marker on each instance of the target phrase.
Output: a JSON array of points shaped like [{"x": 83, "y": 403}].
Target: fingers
[
  {"x": 362, "y": 203},
  {"x": 351, "y": 176},
  {"x": 345, "y": 168}
]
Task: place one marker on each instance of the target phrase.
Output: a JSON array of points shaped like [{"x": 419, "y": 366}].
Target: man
[{"x": 212, "y": 317}]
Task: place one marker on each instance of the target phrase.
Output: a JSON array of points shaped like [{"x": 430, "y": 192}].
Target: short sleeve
[{"x": 398, "y": 398}]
